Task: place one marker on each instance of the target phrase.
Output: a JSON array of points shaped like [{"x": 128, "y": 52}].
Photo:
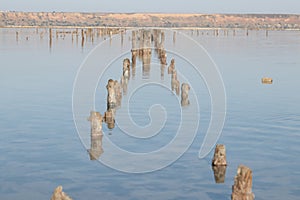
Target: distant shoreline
[{"x": 158, "y": 20}]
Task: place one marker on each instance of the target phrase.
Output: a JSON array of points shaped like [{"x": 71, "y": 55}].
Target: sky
[{"x": 167, "y": 6}]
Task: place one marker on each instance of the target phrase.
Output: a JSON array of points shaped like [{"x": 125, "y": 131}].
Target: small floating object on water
[{"x": 267, "y": 80}]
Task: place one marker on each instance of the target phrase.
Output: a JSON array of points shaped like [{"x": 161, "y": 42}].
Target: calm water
[{"x": 40, "y": 147}]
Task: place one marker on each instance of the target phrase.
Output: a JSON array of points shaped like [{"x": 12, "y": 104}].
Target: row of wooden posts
[{"x": 141, "y": 47}]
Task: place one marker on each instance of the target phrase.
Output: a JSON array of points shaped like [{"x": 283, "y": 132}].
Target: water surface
[{"x": 40, "y": 147}]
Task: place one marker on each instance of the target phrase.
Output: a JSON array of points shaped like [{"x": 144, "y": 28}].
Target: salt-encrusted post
[
  {"x": 219, "y": 163},
  {"x": 219, "y": 156},
  {"x": 242, "y": 188},
  {"x": 58, "y": 194},
  {"x": 111, "y": 94},
  {"x": 185, "y": 88},
  {"x": 96, "y": 123}
]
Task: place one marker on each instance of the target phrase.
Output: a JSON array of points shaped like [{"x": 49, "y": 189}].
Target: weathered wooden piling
[
  {"x": 111, "y": 94},
  {"x": 242, "y": 188},
  {"x": 219, "y": 156},
  {"x": 126, "y": 67},
  {"x": 171, "y": 67},
  {"x": 126, "y": 75},
  {"x": 185, "y": 88},
  {"x": 118, "y": 92},
  {"x": 96, "y": 123},
  {"x": 109, "y": 118},
  {"x": 58, "y": 194},
  {"x": 175, "y": 84},
  {"x": 163, "y": 57}
]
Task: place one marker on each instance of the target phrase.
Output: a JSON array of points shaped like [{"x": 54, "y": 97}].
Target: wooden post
[
  {"x": 219, "y": 156},
  {"x": 171, "y": 67},
  {"x": 185, "y": 88},
  {"x": 175, "y": 84},
  {"x": 126, "y": 67},
  {"x": 242, "y": 188},
  {"x": 58, "y": 194},
  {"x": 111, "y": 94},
  {"x": 96, "y": 123},
  {"x": 109, "y": 118}
]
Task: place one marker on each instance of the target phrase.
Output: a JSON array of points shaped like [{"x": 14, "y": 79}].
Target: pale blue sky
[{"x": 171, "y": 6}]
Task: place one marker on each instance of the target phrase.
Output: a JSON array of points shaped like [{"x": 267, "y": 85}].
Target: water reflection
[
  {"x": 96, "y": 149},
  {"x": 96, "y": 135},
  {"x": 219, "y": 173},
  {"x": 244, "y": 140}
]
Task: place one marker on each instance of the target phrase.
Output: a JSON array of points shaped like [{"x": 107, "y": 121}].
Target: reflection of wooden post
[
  {"x": 58, "y": 194},
  {"x": 17, "y": 36},
  {"x": 109, "y": 118},
  {"x": 219, "y": 156},
  {"x": 50, "y": 38},
  {"x": 162, "y": 71},
  {"x": 242, "y": 188},
  {"x": 219, "y": 173},
  {"x": 174, "y": 37},
  {"x": 96, "y": 146},
  {"x": 118, "y": 92}
]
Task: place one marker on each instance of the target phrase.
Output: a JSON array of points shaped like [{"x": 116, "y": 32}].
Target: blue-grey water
[{"x": 41, "y": 149}]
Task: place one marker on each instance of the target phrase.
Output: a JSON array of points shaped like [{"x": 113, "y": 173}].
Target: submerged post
[{"x": 242, "y": 188}]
